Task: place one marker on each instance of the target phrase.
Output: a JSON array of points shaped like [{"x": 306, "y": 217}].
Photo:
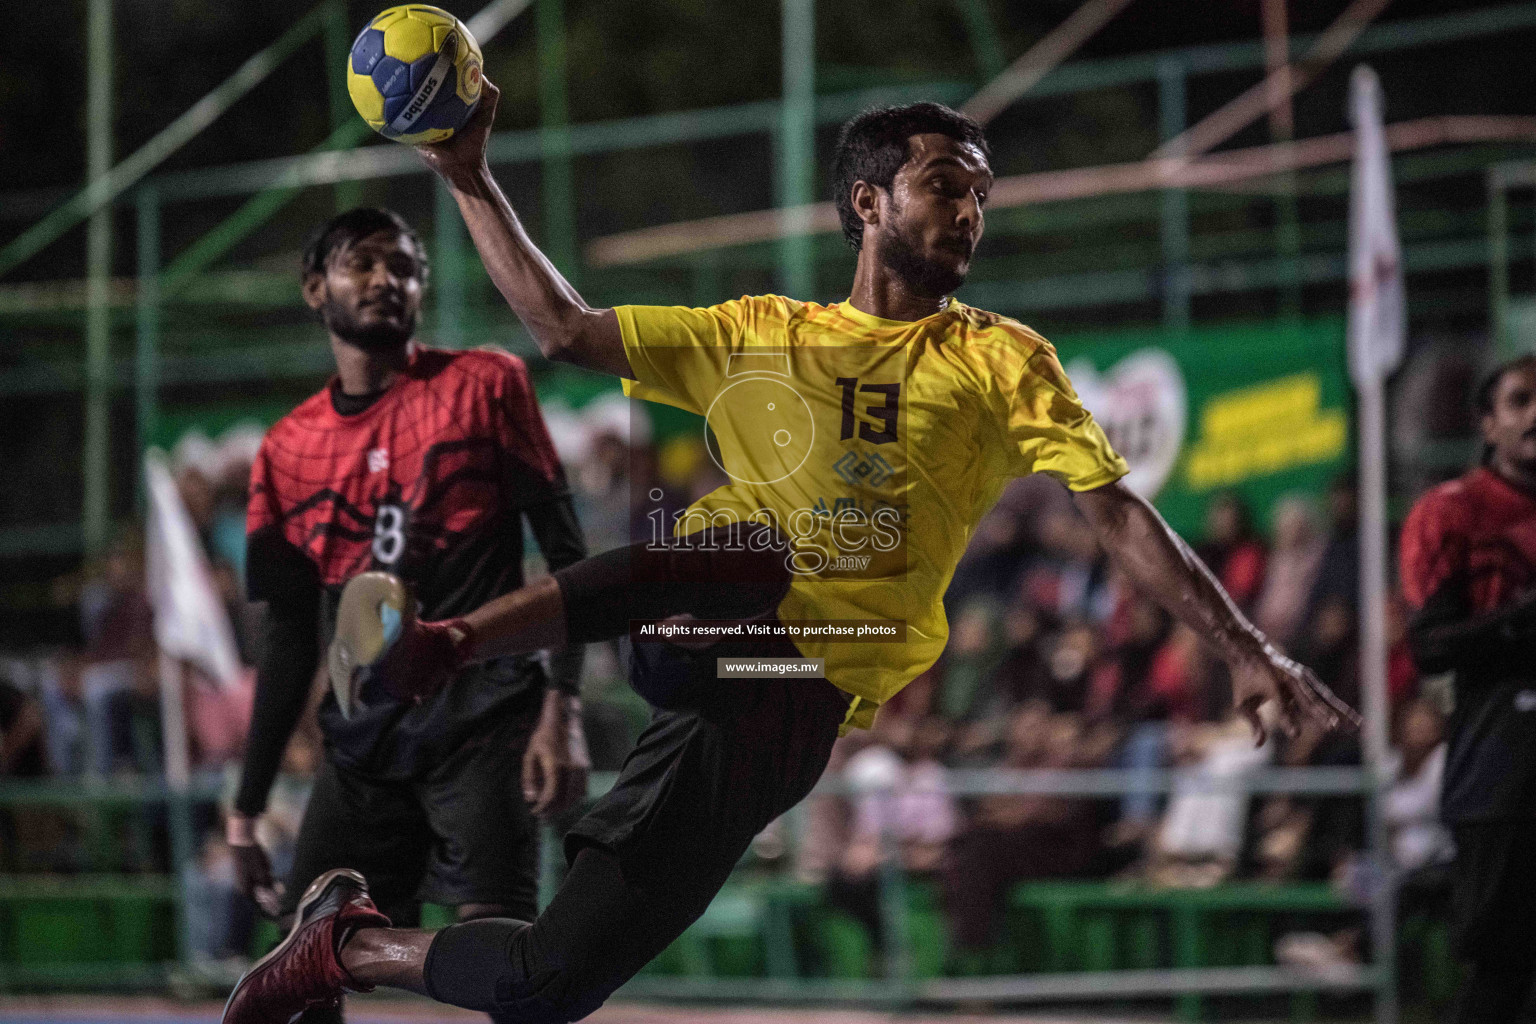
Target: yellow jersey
[{"x": 875, "y": 445}]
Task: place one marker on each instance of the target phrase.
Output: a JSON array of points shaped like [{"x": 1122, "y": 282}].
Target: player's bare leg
[{"x": 393, "y": 957}]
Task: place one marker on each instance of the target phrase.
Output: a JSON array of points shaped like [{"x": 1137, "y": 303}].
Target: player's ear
[
  {"x": 313, "y": 289},
  {"x": 866, "y": 202}
]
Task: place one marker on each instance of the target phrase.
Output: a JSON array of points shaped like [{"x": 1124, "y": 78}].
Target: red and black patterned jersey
[
  {"x": 1468, "y": 563},
  {"x": 1477, "y": 532},
  {"x": 425, "y": 482},
  {"x": 431, "y": 482}
]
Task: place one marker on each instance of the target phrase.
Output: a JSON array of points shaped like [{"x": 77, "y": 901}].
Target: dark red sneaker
[{"x": 303, "y": 970}]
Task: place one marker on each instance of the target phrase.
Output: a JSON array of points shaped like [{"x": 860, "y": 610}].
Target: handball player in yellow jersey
[{"x": 863, "y": 441}]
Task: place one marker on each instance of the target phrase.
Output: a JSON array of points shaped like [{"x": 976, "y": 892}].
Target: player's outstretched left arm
[
  {"x": 562, "y": 324},
  {"x": 1164, "y": 567}
]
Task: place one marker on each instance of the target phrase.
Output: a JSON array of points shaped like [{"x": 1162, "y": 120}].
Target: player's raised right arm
[{"x": 562, "y": 324}]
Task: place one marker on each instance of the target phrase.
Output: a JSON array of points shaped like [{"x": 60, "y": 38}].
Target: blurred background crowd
[{"x": 1053, "y": 662}]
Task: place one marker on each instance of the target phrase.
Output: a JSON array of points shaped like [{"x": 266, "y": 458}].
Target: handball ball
[{"x": 414, "y": 74}]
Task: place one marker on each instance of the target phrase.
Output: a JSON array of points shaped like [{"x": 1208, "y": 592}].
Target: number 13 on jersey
[{"x": 886, "y": 412}]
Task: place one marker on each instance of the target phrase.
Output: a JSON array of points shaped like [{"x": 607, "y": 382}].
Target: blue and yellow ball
[{"x": 414, "y": 74}]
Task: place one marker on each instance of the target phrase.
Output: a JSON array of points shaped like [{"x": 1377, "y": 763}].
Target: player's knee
[
  {"x": 555, "y": 999},
  {"x": 748, "y": 579},
  {"x": 469, "y": 964},
  {"x": 484, "y": 965}
]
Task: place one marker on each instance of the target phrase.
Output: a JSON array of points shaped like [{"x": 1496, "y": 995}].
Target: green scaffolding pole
[
  {"x": 1498, "y": 265},
  {"x": 338, "y": 47},
  {"x": 112, "y": 181},
  {"x": 147, "y": 342},
  {"x": 984, "y": 41},
  {"x": 1172, "y": 111},
  {"x": 253, "y": 213},
  {"x": 796, "y": 139},
  {"x": 448, "y": 263},
  {"x": 555, "y": 139},
  {"x": 96, "y": 461}
]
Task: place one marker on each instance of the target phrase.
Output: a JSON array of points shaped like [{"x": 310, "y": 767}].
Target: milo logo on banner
[
  {"x": 1141, "y": 404},
  {"x": 1259, "y": 409}
]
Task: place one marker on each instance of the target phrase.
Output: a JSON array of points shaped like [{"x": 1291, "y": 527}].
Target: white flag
[
  {"x": 190, "y": 620},
  {"x": 1376, "y": 303}
]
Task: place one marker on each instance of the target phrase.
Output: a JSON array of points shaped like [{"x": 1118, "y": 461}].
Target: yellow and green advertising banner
[{"x": 1259, "y": 409}]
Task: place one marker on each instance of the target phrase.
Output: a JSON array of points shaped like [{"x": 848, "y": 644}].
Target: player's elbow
[
  {"x": 1111, "y": 511},
  {"x": 558, "y": 346},
  {"x": 586, "y": 337}
]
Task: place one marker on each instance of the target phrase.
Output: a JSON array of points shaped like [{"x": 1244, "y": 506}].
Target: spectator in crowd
[
  {"x": 1330, "y": 645},
  {"x": 1200, "y": 839},
  {"x": 1402, "y": 673},
  {"x": 21, "y": 734},
  {"x": 1232, "y": 548},
  {"x": 1126, "y": 691},
  {"x": 1007, "y": 538},
  {"x": 1070, "y": 659},
  {"x": 970, "y": 661},
  {"x": 1178, "y": 680},
  {"x": 1292, "y": 569},
  {"x": 21, "y": 757},
  {"x": 901, "y": 808},
  {"x": 1008, "y": 839},
  {"x": 1339, "y": 576},
  {"x": 1132, "y": 638},
  {"x": 112, "y": 693},
  {"x": 1070, "y": 578},
  {"x": 1018, "y": 677},
  {"x": 1421, "y": 845}
]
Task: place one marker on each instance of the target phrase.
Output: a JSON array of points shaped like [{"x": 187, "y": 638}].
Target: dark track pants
[
  {"x": 1493, "y": 908},
  {"x": 702, "y": 781}
]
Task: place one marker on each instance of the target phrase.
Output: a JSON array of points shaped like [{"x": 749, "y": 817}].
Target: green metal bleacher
[
  {"x": 767, "y": 936},
  {"x": 780, "y": 929},
  {"x": 116, "y": 931}
]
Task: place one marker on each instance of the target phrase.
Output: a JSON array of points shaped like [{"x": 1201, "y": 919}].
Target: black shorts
[
  {"x": 713, "y": 768},
  {"x": 461, "y": 833}
]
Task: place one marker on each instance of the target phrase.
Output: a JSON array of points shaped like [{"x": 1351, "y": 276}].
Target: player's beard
[
  {"x": 375, "y": 337},
  {"x": 902, "y": 254}
]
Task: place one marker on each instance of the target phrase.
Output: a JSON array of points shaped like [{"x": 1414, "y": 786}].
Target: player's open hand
[
  {"x": 253, "y": 869},
  {"x": 464, "y": 150},
  {"x": 1294, "y": 692},
  {"x": 556, "y": 764}
]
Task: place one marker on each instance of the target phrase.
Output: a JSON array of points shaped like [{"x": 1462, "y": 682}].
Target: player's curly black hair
[
  {"x": 1488, "y": 390},
  {"x": 873, "y": 146},
  {"x": 351, "y": 227}
]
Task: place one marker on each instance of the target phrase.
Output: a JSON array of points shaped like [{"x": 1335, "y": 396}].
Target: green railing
[{"x": 1094, "y": 940}]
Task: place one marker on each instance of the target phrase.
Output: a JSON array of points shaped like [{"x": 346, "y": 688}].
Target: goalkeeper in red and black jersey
[
  {"x": 426, "y": 463},
  {"x": 1469, "y": 571}
]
